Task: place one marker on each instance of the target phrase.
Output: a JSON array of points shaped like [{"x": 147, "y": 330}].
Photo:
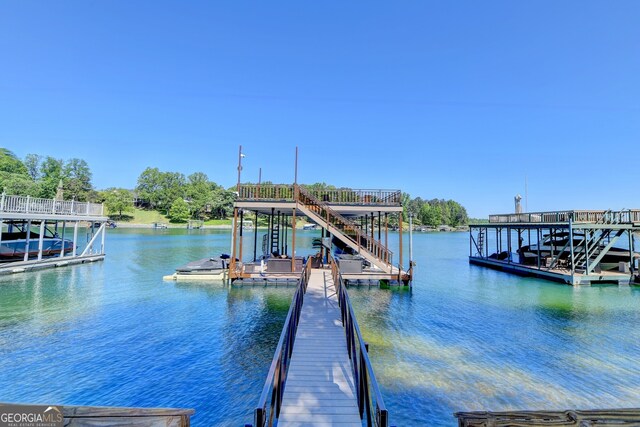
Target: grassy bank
[{"x": 148, "y": 217}]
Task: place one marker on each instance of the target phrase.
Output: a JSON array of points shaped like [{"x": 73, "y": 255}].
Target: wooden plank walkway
[{"x": 320, "y": 390}]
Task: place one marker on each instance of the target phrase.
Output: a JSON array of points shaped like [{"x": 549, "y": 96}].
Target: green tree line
[
  {"x": 39, "y": 176},
  {"x": 435, "y": 212}
]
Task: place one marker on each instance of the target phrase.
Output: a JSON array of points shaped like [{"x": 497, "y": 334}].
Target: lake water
[{"x": 465, "y": 338}]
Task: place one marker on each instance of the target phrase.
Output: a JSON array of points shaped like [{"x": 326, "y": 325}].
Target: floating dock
[
  {"x": 34, "y": 233},
  {"x": 573, "y": 247}
]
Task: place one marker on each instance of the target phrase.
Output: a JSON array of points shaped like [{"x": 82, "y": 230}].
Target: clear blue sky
[{"x": 446, "y": 99}]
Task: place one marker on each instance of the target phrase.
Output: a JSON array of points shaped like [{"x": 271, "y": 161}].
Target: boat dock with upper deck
[
  {"x": 356, "y": 221},
  {"x": 575, "y": 247},
  {"x": 32, "y": 233}
]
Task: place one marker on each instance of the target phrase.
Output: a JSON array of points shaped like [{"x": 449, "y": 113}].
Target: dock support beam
[
  {"x": 293, "y": 236},
  {"x": 241, "y": 228},
  {"x": 400, "y": 244},
  {"x": 255, "y": 238},
  {"x": 27, "y": 243},
  {"x": 43, "y": 227}
]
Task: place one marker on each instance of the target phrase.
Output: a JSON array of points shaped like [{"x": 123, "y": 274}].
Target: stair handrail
[
  {"x": 374, "y": 247},
  {"x": 370, "y": 402},
  {"x": 277, "y": 376}
]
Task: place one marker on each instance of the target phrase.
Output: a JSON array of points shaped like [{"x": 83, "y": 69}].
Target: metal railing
[
  {"x": 349, "y": 228},
  {"x": 370, "y": 402},
  {"x": 598, "y": 216},
  {"x": 342, "y": 196},
  {"x": 273, "y": 389},
  {"x": 31, "y": 205}
]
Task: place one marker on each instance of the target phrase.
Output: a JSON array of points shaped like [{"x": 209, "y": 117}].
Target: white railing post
[
  {"x": 28, "y": 201},
  {"x": 53, "y": 208},
  {"x": 4, "y": 195}
]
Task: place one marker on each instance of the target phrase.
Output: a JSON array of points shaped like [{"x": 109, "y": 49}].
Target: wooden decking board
[{"x": 319, "y": 390}]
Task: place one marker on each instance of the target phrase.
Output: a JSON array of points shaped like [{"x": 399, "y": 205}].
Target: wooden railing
[
  {"x": 31, "y": 205},
  {"x": 599, "y": 216},
  {"x": 370, "y": 402},
  {"x": 342, "y": 196},
  {"x": 273, "y": 389},
  {"x": 349, "y": 228}
]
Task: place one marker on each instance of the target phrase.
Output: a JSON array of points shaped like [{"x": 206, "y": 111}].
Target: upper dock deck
[
  {"x": 347, "y": 201},
  {"x": 627, "y": 216},
  {"x": 26, "y": 207}
]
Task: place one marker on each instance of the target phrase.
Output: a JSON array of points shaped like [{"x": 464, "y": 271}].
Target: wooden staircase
[{"x": 344, "y": 229}]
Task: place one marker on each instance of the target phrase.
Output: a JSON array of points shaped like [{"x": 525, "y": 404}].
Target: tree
[
  {"x": 199, "y": 192},
  {"x": 118, "y": 200},
  {"x": 51, "y": 174},
  {"x": 77, "y": 180},
  {"x": 149, "y": 184},
  {"x": 11, "y": 164},
  {"x": 179, "y": 211},
  {"x": 172, "y": 187},
  {"x": 33, "y": 163},
  {"x": 14, "y": 177},
  {"x": 222, "y": 202}
]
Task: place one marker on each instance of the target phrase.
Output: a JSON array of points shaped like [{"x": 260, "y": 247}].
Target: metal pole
[
  {"x": 255, "y": 238},
  {"x": 27, "y": 242},
  {"x": 400, "y": 243},
  {"x": 293, "y": 237},
  {"x": 232, "y": 268},
  {"x": 64, "y": 223},
  {"x": 75, "y": 238},
  {"x": 295, "y": 178},
  {"x": 410, "y": 240},
  {"x": 241, "y": 228},
  {"x": 239, "y": 168},
  {"x": 104, "y": 233},
  {"x": 41, "y": 239},
  {"x": 386, "y": 234},
  {"x": 573, "y": 260}
]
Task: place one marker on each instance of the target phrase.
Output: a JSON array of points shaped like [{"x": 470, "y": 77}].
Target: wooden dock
[{"x": 320, "y": 390}]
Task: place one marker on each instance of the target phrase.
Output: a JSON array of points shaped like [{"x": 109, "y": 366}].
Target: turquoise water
[{"x": 465, "y": 338}]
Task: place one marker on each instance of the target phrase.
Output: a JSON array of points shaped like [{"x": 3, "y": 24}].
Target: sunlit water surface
[{"x": 464, "y": 338}]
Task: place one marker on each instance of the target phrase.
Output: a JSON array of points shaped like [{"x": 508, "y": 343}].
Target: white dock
[{"x": 320, "y": 390}]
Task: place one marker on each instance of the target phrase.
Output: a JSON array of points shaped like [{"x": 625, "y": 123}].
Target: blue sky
[{"x": 457, "y": 99}]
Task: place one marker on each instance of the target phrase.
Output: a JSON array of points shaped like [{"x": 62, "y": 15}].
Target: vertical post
[
  {"x": 239, "y": 168},
  {"x": 400, "y": 243},
  {"x": 386, "y": 234},
  {"x": 43, "y": 227},
  {"x": 272, "y": 225},
  {"x": 28, "y": 203},
  {"x": 379, "y": 227},
  {"x": 2, "y": 225},
  {"x": 27, "y": 242},
  {"x": 509, "y": 244},
  {"x": 586, "y": 251},
  {"x": 539, "y": 255},
  {"x": 75, "y": 238},
  {"x": 258, "y": 191},
  {"x": 104, "y": 232},
  {"x": 295, "y": 177},
  {"x": 410, "y": 241},
  {"x": 64, "y": 224},
  {"x": 573, "y": 267},
  {"x": 629, "y": 232},
  {"x": 293, "y": 235},
  {"x": 240, "y": 240},
  {"x": 234, "y": 226},
  {"x": 255, "y": 237}
]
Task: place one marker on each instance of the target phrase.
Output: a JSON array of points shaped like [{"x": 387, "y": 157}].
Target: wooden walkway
[{"x": 319, "y": 390}]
